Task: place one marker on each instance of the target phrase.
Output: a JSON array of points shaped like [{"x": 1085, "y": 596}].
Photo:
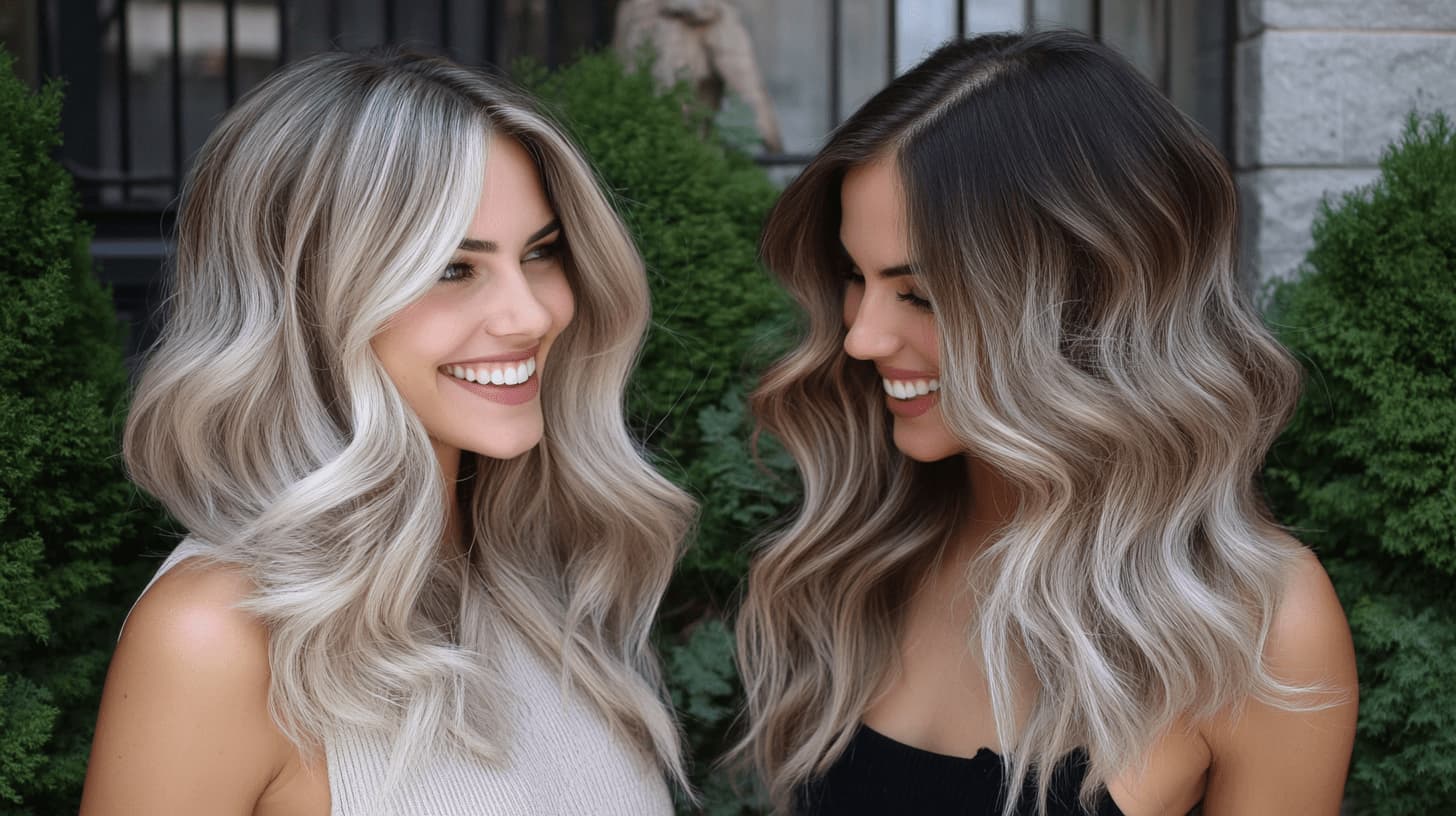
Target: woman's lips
[
  {"x": 505, "y": 394},
  {"x": 911, "y": 408}
]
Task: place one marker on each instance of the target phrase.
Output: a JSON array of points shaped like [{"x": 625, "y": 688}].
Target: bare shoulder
[
  {"x": 184, "y": 725},
  {"x": 1292, "y": 758},
  {"x": 188, "y": 632},
  {"x": 1309, "y": 637},
  {"x": 192, "y": 605}
]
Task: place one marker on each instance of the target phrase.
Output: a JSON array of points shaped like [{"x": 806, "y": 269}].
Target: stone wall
[{"x": 1321, "y": 88}]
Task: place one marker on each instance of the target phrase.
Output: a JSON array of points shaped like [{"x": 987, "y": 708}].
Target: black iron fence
[
  {"x": 110, "y": 139},
  {"x": 147, "y": 79}
]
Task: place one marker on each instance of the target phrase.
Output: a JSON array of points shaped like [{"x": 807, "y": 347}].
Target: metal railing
[
  {"x": 106, "y": 183},
  {"x": 128, "y": 185},
  {"x": 101, "y": 77}
]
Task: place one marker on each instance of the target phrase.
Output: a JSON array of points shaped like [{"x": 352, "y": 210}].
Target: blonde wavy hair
[
  {"x": 329, "y": 199},
  {"x": 1076, "y": 236}
]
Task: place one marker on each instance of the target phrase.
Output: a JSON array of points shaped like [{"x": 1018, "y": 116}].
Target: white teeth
[
  {"x": 909, "y": 389},
  {"x": 494, "y": 374}
]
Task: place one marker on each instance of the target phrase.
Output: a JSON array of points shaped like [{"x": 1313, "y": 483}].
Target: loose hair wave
[
  {"x": 329, "y": 199},
  {"x": 1076, "y": 236}
]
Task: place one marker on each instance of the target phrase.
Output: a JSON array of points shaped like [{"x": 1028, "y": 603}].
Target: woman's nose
[
  {"x": 872, "y": 333},
  {"x": 513, "y": 308}
]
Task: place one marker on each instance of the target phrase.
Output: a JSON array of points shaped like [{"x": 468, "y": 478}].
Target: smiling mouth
[
  {"x": 512, "y": 382},
  {"x": 512, "y": 373},
  {"x": 910, "y": 389}
]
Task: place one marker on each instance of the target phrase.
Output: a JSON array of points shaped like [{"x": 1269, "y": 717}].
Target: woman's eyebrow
[
  {"x": 898, "y": 271},
  {"x": 901, "y": 271},
  {"x": 479, "y": 245}
]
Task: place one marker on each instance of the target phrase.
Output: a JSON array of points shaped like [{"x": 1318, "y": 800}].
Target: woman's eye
[
  {"x": 543, "y": 252},
  {"x": 457, "y": 271},
  {"x": 914, "y": 300}
]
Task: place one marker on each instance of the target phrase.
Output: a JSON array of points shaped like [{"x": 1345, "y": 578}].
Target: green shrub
[
  {"x": 65, "y": 505},
  {"x": 68, "y": 518},
  {"x": 1366, "y": 472},
  {"x": 695, "y": 206}
]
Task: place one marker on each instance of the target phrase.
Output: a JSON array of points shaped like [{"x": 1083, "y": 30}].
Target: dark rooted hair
[{"x": 1075, "y": 234}]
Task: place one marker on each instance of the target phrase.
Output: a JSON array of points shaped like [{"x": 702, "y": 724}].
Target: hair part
[
  {"x": 328, "y": 200},
  {"x": 1076, "y": 235}
]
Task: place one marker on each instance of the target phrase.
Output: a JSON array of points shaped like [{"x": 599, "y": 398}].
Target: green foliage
[
  {"x": 695, "y": 206},
  {"x": 65, "y": 506},
  {"x": 1367, "y": 469},
  {"x": 700, "y": 688},
  {"x": 744, "y": 494}
]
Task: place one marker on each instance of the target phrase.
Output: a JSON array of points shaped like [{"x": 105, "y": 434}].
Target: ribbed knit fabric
[{"x": 563, "y": 759}]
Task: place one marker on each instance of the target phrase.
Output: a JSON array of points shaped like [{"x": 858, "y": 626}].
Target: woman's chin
[
  {"x": 504, "y": 443},
  {"x": 925, "y": 438},
  {"x": 926, "y": 447}
]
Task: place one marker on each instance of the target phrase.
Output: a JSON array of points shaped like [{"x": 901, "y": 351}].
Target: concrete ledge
[
  {"x": 1278, "y": 207},
  {"x": 1336, "y": 98},
  {"x": 1422, "y": 15}
]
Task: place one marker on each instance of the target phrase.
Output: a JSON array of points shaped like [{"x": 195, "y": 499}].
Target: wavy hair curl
[
  {"x": 1076, "y": 235},
  {"x": 324, "y": 203}
]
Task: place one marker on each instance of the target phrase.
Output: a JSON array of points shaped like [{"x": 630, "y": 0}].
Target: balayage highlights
[
  {"x": 329, "y": 199},
  {"x": 1076, "y": 236}
]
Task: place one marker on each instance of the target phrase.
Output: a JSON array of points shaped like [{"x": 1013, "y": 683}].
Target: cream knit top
[{"x": 563, "y": 760}]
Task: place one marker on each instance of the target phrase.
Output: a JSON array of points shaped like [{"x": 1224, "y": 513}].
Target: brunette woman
[{"x": 1033, "y": 571}]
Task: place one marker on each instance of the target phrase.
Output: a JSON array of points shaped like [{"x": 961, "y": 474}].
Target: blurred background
[{"x": 1300, "y": 96}]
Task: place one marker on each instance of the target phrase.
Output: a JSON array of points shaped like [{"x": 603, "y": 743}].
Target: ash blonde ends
[
  {"x": 326, "y": 201},
  {"x": 1076, "y": 236}
]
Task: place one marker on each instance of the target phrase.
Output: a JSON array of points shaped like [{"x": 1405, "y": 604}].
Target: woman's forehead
[{"x": 872, "y": 215}]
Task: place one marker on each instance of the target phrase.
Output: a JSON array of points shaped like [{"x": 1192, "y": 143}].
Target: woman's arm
[
  {"x": 1271, "y": 762},
  {"x": 184, "y": 725}
]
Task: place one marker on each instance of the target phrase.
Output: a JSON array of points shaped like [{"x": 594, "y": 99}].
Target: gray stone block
[
  {"x": 1248, "y": 91},
  {"x": 1277, "y": 264},
  {"x": 1251, "y": 17},
  {"x": 1411, "y": 15},
  {"x": 1278, "y": 209},
  {"x": 1336, "y": 98}
]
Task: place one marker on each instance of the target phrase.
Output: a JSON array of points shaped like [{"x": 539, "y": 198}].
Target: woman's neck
[
  {"x": 994, "y": 501},
  {"x": 455, "y": 526}
]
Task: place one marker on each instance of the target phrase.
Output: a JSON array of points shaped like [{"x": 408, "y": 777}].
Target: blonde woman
[
  {"x": 1032, "y": 571},
  {"x": 424, "y": 552}
]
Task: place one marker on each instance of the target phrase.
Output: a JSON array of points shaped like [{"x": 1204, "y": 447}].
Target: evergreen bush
[
  {"x": 65, "y": 505},
  {"x": 1366, "y": 472},
  {"x": 695, "y": 206},
  {"x": 69, "y": 521}
]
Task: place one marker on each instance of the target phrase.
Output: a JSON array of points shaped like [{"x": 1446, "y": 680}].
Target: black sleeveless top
[{"x": 878, "y": 775}]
